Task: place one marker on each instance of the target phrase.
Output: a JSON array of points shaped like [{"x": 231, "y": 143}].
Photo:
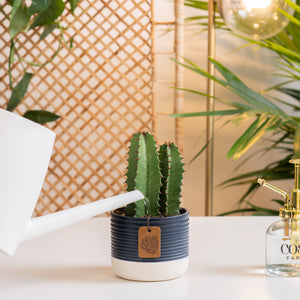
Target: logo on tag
[{"x": 149, "y": 242}]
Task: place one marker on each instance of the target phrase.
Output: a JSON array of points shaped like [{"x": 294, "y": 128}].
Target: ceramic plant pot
[{"x": 149, "y": 258}]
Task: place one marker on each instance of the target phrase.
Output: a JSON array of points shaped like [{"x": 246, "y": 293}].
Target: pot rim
[{"x": 183, "y": 212}]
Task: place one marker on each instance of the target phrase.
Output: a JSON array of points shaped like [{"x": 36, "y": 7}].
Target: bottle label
[{"x": 291, "y": 250}]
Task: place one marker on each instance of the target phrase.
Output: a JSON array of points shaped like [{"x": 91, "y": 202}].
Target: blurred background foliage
[{"x": 264, "y": 112}]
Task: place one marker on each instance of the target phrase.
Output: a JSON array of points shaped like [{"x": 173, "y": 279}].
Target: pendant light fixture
[{"x": 255, "y": 19}]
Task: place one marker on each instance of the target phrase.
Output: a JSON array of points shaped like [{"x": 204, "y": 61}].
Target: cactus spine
[{"x": 158, "y": 175}]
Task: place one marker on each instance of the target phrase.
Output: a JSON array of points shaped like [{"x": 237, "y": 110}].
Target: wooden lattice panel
[{"x": 101, "y": 89}]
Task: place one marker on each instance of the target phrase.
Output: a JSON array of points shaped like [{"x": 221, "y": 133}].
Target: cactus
[
  {"x": 132, "y": 170},
  {"x": 158, "y": 175},
  {"x": 164, "y": 154},
  {"x": 144, "y": 175},
  {"x": 171, "y": 167}
]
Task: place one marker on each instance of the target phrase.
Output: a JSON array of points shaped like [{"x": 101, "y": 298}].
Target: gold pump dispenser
[
  {"x": 291, "y": 208},
  {"x": 283, "y": 236}
]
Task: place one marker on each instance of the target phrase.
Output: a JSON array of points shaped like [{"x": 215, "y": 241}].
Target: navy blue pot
[{"x": 173, "y": 260}]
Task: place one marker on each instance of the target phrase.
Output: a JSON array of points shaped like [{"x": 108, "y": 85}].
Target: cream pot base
[{"x": 150, "y": 271}]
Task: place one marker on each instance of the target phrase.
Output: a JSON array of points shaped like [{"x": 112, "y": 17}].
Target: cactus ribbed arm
[
  {"x": 172, "y": 171},
  {"x": 144, "y": 175}
]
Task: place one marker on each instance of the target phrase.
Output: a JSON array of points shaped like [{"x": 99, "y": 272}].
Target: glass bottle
[
  {"x": 283, "y": 236},
  {"x": 283, "y": 248}
]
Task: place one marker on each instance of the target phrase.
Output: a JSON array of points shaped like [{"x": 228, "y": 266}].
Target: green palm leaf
[{"x": 293, "y": 5}]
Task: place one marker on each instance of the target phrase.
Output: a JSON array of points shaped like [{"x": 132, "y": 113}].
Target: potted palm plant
[
  {"x": 150, "y": 237},
  {"x": 267, "y": 114}
]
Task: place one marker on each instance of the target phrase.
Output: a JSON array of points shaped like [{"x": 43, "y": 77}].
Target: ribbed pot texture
[{"x": 174, "y": 236}]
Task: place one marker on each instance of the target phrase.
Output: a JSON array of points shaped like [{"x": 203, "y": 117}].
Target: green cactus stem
[
  {"x": 172, "y": 171},
  {"x": 144, "y": 175},
  {"x": 164, "y": 153},
  {"x": 131, "y": 170}
]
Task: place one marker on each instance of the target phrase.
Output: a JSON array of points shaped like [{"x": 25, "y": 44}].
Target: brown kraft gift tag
[{"x": 149, "y": 242}]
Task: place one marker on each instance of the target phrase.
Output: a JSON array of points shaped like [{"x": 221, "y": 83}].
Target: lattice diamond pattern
[{"x": 102, "y": 90}]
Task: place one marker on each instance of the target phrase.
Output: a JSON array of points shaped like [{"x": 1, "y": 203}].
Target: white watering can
[{"x": 25, "y": 151}]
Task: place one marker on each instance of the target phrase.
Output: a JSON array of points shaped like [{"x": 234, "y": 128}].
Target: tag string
[{"x": 148, "y": 223}]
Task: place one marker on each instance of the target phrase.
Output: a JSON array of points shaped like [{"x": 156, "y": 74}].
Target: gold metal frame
[{"x": 210, "y": 107}]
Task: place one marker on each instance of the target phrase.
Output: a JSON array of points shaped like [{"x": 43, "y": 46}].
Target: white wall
[{"x": 254, "y": 66}]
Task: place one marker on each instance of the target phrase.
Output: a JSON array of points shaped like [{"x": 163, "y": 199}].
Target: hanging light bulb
[{"x": 255, "y": 19}]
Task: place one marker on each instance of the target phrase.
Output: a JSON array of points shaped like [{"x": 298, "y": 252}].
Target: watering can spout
[
  {"x": 25, "y": 152},
  {"x": 41, "y": 225}
]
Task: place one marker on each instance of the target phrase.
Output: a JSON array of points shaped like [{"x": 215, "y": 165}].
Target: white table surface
[{"x": 226, "y": 262}]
